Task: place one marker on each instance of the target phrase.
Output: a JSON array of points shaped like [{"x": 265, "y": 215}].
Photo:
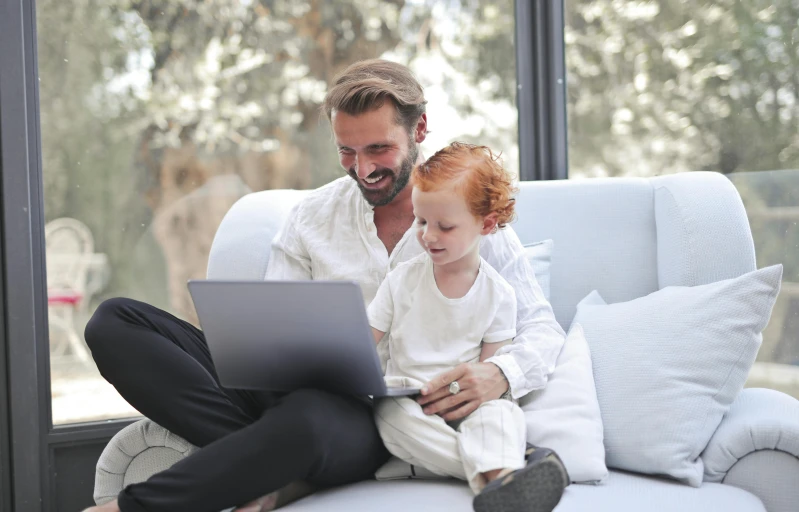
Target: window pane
[
  {"x": 665, "y": 87},
  {"x": 157, "y": 116}
]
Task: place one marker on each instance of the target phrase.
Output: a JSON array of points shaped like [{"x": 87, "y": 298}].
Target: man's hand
[{"x": 479, "y": 382}]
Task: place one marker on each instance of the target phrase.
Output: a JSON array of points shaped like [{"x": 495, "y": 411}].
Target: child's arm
[
  {"x": 489, "y": 349},
  {"x": 380, "y": 312},
  {"x": 503, "y": 327}
]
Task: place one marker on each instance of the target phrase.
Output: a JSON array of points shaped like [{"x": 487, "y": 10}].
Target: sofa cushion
[
  {"x": 623, "y": 492},
  {"x": 702, "y": 229},
  {"x": 565, "y": 417},
  {"x": 667, "y": 367},
  {"x": 243, "y": 241},
  {"x": 604, "y": 234}
]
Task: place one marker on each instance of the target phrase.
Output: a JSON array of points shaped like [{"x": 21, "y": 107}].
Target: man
[{"x": 356, "y": 229}]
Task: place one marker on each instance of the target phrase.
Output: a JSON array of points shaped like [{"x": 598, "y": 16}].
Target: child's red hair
[{"x": 485, "y": 185}]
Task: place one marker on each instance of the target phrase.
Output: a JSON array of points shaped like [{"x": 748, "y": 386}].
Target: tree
[
  {"x": 191, "y": 94},
  {"x": 681, "y": 86}
]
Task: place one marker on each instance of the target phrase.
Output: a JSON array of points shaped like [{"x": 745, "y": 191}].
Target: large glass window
[
  {"x": 157, "y": 115},
  {"x": 658, "y": 87}
]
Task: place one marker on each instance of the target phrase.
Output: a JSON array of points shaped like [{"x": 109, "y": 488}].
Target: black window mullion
[
  {"x": 541, "y": 98},
  {"x": 24, "y": 296}
]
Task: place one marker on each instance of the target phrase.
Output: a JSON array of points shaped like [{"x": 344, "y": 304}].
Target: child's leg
[
  {"x": 492, "y": 439},
  {"x": 417, "y": 438}
]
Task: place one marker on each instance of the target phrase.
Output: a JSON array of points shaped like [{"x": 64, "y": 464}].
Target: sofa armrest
[
  {"x": 137, "y": 452},
  {"x": 755, "y": 445}
]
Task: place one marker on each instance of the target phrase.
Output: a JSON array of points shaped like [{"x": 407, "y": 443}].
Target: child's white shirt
[{"x": 430, "y": 333}]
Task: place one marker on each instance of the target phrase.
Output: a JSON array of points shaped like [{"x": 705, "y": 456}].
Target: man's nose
[{"x": 363, "y": 167}]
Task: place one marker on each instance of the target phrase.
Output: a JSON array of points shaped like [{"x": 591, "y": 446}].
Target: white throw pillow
[
  {"x": 667, "y": 367},
  {"x": 565, "y": 417},
  {"x": 539, "y": 255}
]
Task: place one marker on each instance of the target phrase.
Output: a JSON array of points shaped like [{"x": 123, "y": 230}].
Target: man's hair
[
  {"x": 476, "y": 173},
  {"x": 366, "y": 85}
]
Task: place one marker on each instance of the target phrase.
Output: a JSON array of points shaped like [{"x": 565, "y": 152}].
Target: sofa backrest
[{"x": 625, "y": 237}]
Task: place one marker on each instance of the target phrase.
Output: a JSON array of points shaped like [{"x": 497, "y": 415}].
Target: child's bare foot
[
  {"x": 111, "y": 506},
  {"x": 490, "y": 476}
]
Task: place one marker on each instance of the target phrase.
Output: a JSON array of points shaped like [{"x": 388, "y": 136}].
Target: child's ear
[{"x": 489, "y": 223}]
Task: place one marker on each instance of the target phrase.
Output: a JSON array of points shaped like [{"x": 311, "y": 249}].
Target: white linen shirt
[
  {"x": 331, "y": 235},
  {"x": 429, "y": 333}
]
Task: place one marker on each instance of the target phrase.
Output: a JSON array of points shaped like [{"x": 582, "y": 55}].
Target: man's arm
[
  {"x": 529, "y": 361},
  {"x": 289, "y": 260},
  {"x": 489, "y": 349},
  {"x": 378, "y": 335}
]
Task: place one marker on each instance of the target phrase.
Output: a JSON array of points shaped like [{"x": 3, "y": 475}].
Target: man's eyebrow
[{"x": 379, "y": 145}]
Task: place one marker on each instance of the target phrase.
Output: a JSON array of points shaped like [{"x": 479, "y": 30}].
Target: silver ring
[{"x": 454, "y": 387}]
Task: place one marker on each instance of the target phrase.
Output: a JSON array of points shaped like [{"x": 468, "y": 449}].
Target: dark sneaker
[{"x": 537, "y": 487}]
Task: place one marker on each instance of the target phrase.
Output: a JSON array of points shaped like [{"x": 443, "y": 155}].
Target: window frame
[
  {"x": 31, "y": 448},
  {"x": 541, "y": 85}
]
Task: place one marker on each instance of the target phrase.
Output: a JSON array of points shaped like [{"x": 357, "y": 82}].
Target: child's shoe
[{"x": 537, "y": 487}]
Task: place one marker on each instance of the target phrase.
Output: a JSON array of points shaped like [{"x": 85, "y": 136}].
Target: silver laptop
[{"x": 287, "y": 335}]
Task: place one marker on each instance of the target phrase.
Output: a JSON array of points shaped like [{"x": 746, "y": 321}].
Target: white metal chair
[{"x": 74, "y": 274}]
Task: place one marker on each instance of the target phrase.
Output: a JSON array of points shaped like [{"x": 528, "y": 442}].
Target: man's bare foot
[
  {"x": 282, "y": 497},
  {"x": 111, "y": 506},
  {"x": 262, "y": 504}
]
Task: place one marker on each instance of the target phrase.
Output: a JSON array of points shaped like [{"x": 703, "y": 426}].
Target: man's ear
[
  {"x": 420, "y": 132},
  {"x": 489, "y": 224}
]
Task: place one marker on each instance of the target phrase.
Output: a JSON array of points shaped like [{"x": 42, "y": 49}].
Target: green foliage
[
  {"x": 677, "y": 85},
  {"x": 653, "y": 87}
]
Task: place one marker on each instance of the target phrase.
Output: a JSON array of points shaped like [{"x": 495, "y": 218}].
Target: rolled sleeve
[{"x": 517, "y": 380}]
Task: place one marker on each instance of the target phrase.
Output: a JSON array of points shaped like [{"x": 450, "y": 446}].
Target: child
[{"x": 447, "y": 307}]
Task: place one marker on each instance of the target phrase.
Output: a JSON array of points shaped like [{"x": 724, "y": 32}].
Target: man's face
[{"x": 376, "y": 152}]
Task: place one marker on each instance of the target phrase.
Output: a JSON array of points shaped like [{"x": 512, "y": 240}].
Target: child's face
[{"x": 446, "y": 228}]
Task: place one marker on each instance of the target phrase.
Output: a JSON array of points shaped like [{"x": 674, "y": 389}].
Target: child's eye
[
  {"x": 420, "y": 222},
  {"x": 447, "y": 228}
]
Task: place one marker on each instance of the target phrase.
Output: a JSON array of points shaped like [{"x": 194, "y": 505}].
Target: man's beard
[{"x": 399, "y": 180}]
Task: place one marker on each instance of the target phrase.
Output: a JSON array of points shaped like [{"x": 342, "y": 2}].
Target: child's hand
[{"x": 478, "y": 382}]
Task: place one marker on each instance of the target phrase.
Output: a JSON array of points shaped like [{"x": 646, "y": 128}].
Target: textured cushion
[
  {"x": 702, "y": 228},
  {"x": 133, "y": 455},
  {"x": 539, "y": 255},
  {"x": 667, "y": 367},
  {"x": 243, "y": 241},
  {"x": 623, "y": 492},
  {"x": 604, "y": 235},
  {"x": 756, "y": 448},
  {"x": 759, "y": 419},
  {"x": 565, "y": 417},
  {"x": 771, "y": 475}
]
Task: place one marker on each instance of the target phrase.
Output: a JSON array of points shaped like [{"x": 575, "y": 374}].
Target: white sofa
[{"x": 625, "y": 237}]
